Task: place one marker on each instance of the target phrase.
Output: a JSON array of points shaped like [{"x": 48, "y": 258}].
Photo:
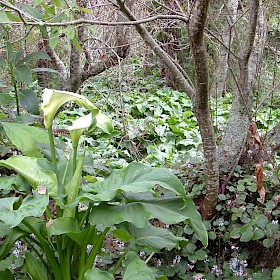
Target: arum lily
[
  {"x": 53, "y": 100},
  {"x": 88, "y": 122}
]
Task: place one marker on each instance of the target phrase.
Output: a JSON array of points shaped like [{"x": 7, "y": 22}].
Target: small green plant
[
  {"x": 61, "y": 223},
  {"x": 19, "y": 74}
]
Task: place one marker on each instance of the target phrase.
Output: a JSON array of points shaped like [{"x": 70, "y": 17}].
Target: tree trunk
[
  {"x": 219, "y": 76},
  {"x": 202, "y": 107},
  {"x": 80, "y": 71},
  {"x": 200, "y": 96},
  {"x": 234, "y": 138}
]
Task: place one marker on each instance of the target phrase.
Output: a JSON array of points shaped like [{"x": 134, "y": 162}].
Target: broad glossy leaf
[
  {"x": 37, "y": 223},
  {"x": 79, "y": 237},
  {"x": 6, "y": 99},
  {"x": 140, "y": 208},
  {"x": 13, "y": 17},
  {"x": 6, "y": 203},
  {"x": 135, "y": 268},
  {"x": 151, "y": 237},
  {"x": 32, "y": 169},
  {"x": 95, "y": 273},
  {"x": 195, "y": 221},
  {"x": 18, "y": 55},
  {"x": 6, "y": 183},
  {"x": 54, "y": 99},
  {"x": 35, "y": 268},
  {"x": 24, "y": 137},
  {"x": 31, "y": 206},
  {"x": 136, "y": 177},
  {"x": 23, "y": 74},
  {"x": 109, "y": 215},
  {"x": 63, "y": 225},
  {"x": 4, "y": 230}
]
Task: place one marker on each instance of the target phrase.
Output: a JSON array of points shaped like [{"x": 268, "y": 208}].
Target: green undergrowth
[{"x": 155, "y": 125}]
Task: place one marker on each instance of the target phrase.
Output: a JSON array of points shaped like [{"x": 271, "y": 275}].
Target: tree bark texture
[
  {"x": 220, "y": 74},
  {"x": 199, "y": 95},
  {"x": 82, "y": 63},
  {"x": 152, "y": 43},
  {"x": 202, "y": 107},
  {"x": 236, "y": 132}
]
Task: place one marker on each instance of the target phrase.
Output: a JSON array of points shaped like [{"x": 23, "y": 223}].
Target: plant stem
[
  {"x": 67, "y": 261},
  {"x": 48, "y": 251},
  {"x": 37, "y": 253},
  {"x": 54, "y": 161},
  {"x": 117, "y": 265},
  {"x": 84, "y": 248},
  {"x": 148, "y": 259},
  {"x": 85, "y": 216},
  {"x": 93, "y": 253},
  {"x": 75, "y": 149},
  {"x": 15, "y": 87},
  {"x": 11, "y": 69}
]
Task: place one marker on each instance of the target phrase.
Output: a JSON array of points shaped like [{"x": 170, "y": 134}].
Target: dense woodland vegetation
[{"x": 139, "y": 139}]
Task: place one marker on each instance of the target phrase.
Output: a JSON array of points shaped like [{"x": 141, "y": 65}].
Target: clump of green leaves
[{"x": 64, "y": 221}]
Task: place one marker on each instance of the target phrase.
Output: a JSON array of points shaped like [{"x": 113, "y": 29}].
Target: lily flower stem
[
  {"x": 48, "y": 251},
  {"x": 93, "y": 253},
  {"x": 51, "y": 138},
  {"x": 75, "y": 149},
  {"x": 117, "y": 265}
]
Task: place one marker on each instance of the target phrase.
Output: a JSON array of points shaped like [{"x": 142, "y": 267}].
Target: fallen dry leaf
[
  {"x": 42, "y": 189},
  {"x": 262, "y": 194},
  {"x": 49, "y": 223},
  {"x": 255, "y": 134},
  {"x": 198, "y": 276},
  {"x": 260, "y": 175}
]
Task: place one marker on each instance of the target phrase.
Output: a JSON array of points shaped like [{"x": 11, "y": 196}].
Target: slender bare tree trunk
[
  {"x": 234, "y": 139},
  {"x": 82, "y": 64},
  {"x": 221, "y": 71},
  {"x": 199, "y": 95},
  {"x": 202, "y": 107}
]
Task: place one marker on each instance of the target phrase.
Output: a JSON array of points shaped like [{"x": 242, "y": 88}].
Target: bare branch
[
  {"x": 24, "y": 17},
  {"x": 150, "y": 41}
]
